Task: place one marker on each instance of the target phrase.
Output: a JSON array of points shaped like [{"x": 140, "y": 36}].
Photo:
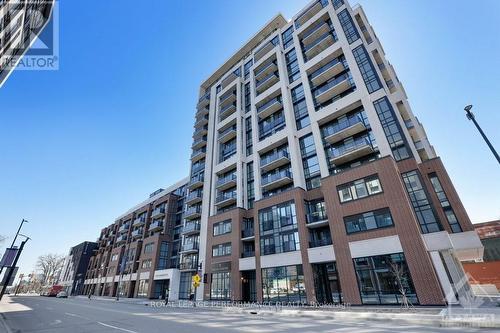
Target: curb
[{"x": 421, "y": 319}]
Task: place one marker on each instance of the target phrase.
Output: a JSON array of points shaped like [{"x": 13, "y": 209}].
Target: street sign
[
  {"x": 196, "y": 280},
  {"x": 8, "y": 257}
]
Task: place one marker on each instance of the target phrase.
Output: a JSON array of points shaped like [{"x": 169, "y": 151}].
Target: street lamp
[{"x": 471, "y": 117}]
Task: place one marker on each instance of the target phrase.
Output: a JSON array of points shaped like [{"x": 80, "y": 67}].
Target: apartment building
[
  {"x": 21, "y": 21},
  {"x": 72, "y": 277},
  {"x": 313, "y": 181},
  {"x": 139, "y": 254}
]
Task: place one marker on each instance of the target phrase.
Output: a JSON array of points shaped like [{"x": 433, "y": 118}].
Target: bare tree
[
  {"x": 50, "y": 266},
  {"x": 399, "y": 273},
  {"x": 2, "y": 239}
]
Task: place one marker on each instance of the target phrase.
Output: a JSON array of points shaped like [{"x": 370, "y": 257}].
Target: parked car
[
  {"x": 62, "y": 294},
  {"x": 54, "y": 290}
]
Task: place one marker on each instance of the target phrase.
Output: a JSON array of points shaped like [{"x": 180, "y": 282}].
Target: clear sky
[{"x": 81, "y": 145}]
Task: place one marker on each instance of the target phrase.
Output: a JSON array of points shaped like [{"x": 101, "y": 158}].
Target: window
[
  {"x": 287, "y": 37},
  {"x": 316, "y": 211},
  {"x": 163, "y": 258},
  {"x": 227, "y": 150},
  {"x": 292, "y": 66},
  {"x": 379, "y": 282},
  {"x": 220, "y": 287},
  {"x": 283, "y": 284},
  {"x": 420, "y": 202},
  {"x": 221, "y": 250},
  {"x": 337, "y": 3},
  {"x": 359, "y": 189},
  {"x": 221, "y": 228},
  {"x": 146, "y": 264},
  {"x": 185, "y": 285},
  {"x": 248, "y": 98},
  {"x": 310, "y": 162},
  {"x": 246, "y": 68},
  {"x": 114, "y": 257},
  {"x": 366, "y": 68},
  {"x": 271, "y": 125},
  {"x": 278, "y": 229},
  {"x": 350, "y": 30},
  {"x": 148, "y": 248},
  {"x": 445, "y": 204},
  {"x": 377, "y": 219},
  {"x": 300, "y": 107},
  {"x": 392, "y": 129},
  {"x": 248, "y": 136},
  {"x": 250, "y": 186},
  {"x": 143, "y": 288}
]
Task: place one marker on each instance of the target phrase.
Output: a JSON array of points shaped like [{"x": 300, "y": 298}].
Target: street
[{"x": 75, "y": 315}]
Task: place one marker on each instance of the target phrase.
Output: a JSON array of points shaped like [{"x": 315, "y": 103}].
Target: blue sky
[{"x": 81, "y": 145}]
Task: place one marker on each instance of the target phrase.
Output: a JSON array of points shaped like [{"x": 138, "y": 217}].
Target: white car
[{"x": 62, "y": 294}]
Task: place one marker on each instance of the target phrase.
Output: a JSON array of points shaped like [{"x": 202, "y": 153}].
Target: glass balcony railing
[
  {"x": 190, "y": 247},
  {"x": 227, "y": 179},
  {"x": 268, "y": 78},
  {"x": 227, "y": 96},
  {"x": 194, "y": 196},
  {"x": 276, "y": 100},
  {"x": 309, "y": 12},
  {"x": 329, "y": 34},
  {"x": 139, "y": 221},
  {"x": 274, "y": 157},
  {"x": 342, "y": 125},
  {"x": 249, "y": 232},
  {"x": 270, "y": 178},
  {"x": 191, "y": 227},
  {"x": 353, "y": 145},
  {"x": 205, "y": 97},
  {"x": 272, "y": 127},
  {"x": 124, "y": 228},
  {"x": 320, "y": 242},
  {"x": 158, "y": 211},
  {"x": 325, "y": 68},
  {"x": 265, "y": 67},
  {"x": 155, "y": 225},
  {"x": 225, "y": 196},
  {"x": 317, "y": 216},
  {"x": 248, "y": 254},
  {"x": 196, "y": 180},
  {"x": 193, "y": 211},
  {"x": 189, "y": 265},
  {"x": 331, "y": 84},
  {"x": 137, "y": 233}
]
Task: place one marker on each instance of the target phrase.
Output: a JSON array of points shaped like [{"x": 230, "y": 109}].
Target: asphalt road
[{"x": 76, "y": 315}]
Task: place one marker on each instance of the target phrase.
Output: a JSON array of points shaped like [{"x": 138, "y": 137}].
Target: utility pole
[
  {"x": 15, "y": 237},
  {"x": 471, "y": 116},
  {"x": 11, "y": 270}
]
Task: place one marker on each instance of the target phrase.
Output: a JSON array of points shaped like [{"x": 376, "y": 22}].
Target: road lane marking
[
  {"x": 75, "y": 315},
  {"x": 116, "y": 328}
]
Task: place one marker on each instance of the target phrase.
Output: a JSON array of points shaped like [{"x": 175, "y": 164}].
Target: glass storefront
[
  {"x": 185, "y": 285},
  {"x": 220, "y": 286},
  {"x": 381, "y": 278},
  {"x": 327, "y": 283},
  {"x": 283, "y": 284}
]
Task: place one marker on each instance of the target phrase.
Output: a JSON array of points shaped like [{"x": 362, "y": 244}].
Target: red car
[{"x": 54, "y": 290}]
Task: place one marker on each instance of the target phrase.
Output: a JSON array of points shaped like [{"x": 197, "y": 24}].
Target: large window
[
  {"x": 248, "y": 100},
  {"x": 143, "y": 288},
  {"x": 300, "y": 107},
  {"x": 392, "y": 129},
  {"x": 278, "y": 229},
  {"x": 287, "y": 37},
  {"x": 445, "y": 203},
  {"x": 283, "y": 284},
  {"x": 221, "y": 285},
  {"x": 366, "y": 68},
  {"x": 310, "y": 162},
  {"x": 148, "y": 248},
  {"x": 250, "y": 186},
  {"x": 246, "y": 68},
  {"x": 292, "y": 66},
  {"x": 248, "y": 136},
  {"x": 185, "y": 285},
  {"x": 221, "y": 228},
  {"x": 163, "y": 258},
  {"x": 221, "y": 250},
  {"x": 420, "y": 202},
  {"x": 348, "y": 26},
  {"x": 380, "y": 218},
  {"x": 359, "y": 189},
  {"x": 380, "y": 279}
]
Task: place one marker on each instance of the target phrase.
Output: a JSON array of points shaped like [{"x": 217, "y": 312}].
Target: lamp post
[
  {"x": 471, "y": 117},
  {"x": 15, "y": 238}
]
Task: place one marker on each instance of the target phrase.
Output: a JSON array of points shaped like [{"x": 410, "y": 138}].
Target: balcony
[
  {"x": 315, "y": 31},
  {"x": 226, "y": 111},
  {"x": 121, "y": 239},
  {"x": 248, "y": 254},
  {"x": 228, "y": 80},
  {"x": 270, "y": 107},
  {"x": 225, "y": 199},
  {"x": 265, "y": 69},
  {"x": 124, "y": 228},
  {"x": 203, "y": 111},
  {"x": 274, "y": 160},
  {"x": 320, "y": 242},
  {"x": 264, "y": 49},
  {"x": 137, "y": 233},
  {"x": 309, "y": 12},
  {"x": 195, "y": 182},
  {"x": 228, "y": 98},
  {"x": 200, "y": 121},
  {"x": 157, "y": 212},
  {"x": 276, "y": 180},
  {"x": 227, "y": 152},
  {"x": 194, "y": 197},
  {"x": 266, "y": 82},
  {"x": 204, "y": 100},
  {"x": 227, "y": 134},
  {"x": 192, "y": 213},
  {"x": 190, "y": 247},
  {"x": 333, "y": 88},
  {"x": 156, "y": 225},
  {"x": 199, "y": 142},
  {"x": 343, "y": 129},
  {"x": 319, "y": 44},
  {"x": 226, "y": 182},
  {"x": 409, "y": 124},
  {"x": 196, "y": 167},
  {"x": 139, "y": 221},
  {"x": 247, "y": 233},
  {"x": 316, "y": 219},
  {"x": 350, "y": 151},
  {"x": 324, "y": 73},
  {"x": 270, "y": 128},
  {"x": 198, "y": 154},
  {"x": 188, "y": 266},
  {"x": 191, "y": 228}
]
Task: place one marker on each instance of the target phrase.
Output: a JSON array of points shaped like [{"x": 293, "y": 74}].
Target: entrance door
[
  {"x": 248, "y": 291},
  {"x": 327, "y": 283}
]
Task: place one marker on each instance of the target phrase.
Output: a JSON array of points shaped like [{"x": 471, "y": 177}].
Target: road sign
[{"x": 196, "y": 278}]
